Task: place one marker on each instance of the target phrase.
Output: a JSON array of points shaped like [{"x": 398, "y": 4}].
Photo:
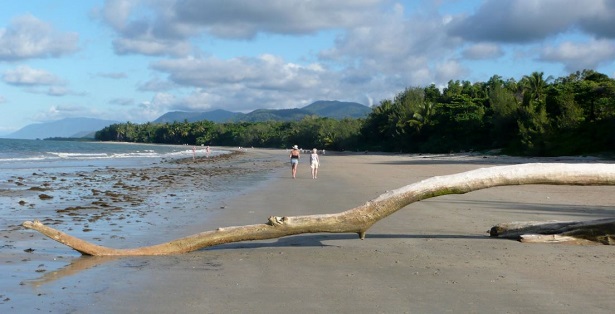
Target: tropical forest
[{"x": 532, "y": 116}]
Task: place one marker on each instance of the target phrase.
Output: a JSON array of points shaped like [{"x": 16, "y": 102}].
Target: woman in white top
[{"x": 314, "y": 163}]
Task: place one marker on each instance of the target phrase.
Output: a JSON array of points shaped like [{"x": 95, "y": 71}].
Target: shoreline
[
  {"x": 434, "y": 256},
  {"x": 95, "y": 199}
]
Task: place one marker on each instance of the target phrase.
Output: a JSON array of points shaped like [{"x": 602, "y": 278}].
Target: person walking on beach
[
  {"x": 294, "y": 160},
  {"x": 314, "y": 163}
]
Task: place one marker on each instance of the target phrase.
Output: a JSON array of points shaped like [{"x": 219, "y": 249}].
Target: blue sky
[{"x": 134, "y": 60}]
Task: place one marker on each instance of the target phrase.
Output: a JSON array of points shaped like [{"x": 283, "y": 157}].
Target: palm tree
[
  {"x": 535, "y": 87},
  {"x": 533, "y": 121},
  {"x": 422, "y": 116}
]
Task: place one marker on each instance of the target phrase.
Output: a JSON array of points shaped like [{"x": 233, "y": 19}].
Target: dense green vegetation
[
  {"x": 310, "y": 132},
  {"x": 536, "y": 116}
]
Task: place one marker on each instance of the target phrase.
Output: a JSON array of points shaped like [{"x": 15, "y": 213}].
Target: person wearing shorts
[
  {"x": 314, "y": 163},
  {"x": 294, "y": 160}
]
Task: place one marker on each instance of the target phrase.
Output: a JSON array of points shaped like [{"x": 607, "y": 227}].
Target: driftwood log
[
  {"x": 360, "y": 219},
  {"x": 599, "y": 231}
]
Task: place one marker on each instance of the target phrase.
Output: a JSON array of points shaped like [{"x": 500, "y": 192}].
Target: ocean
[
  {"x": 40, "y": 177},
  {"x": 117, "y": 195},
  {"x": 27, "y": 154},
  {"x": 98, "y": 187}
]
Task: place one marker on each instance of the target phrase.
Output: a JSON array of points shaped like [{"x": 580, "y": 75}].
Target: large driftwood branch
[{"x": 360, "y": 219}]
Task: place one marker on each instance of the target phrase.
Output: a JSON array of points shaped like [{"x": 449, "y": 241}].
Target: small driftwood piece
[
  {"x": 598, "y": 231},
  {"x": 360, "y": 219}
]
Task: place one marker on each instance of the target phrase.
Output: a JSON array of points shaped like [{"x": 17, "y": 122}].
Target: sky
[{"x": 134, "y": 60}]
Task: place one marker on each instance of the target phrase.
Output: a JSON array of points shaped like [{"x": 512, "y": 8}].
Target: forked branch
[{"x": 360, "y": 219}]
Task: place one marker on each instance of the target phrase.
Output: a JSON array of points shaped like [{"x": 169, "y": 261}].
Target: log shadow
[
  {"x": 316, "y": 240},
  {"x": 494, "y": 160},
  {"x": 580, "y": 211},
  {"x": 86, "y": 262}
]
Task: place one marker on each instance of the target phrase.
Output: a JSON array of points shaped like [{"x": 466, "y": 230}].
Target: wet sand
[{"x": 432, "y": 256}]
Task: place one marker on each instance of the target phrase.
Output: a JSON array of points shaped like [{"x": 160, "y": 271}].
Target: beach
[{"x": 433, "y": 256}]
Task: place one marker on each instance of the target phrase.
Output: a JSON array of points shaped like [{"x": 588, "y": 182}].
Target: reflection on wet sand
[{"x": 76, "y": 266}]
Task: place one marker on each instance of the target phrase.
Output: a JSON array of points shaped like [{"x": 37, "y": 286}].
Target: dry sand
[{"x": 433, "y": 256}]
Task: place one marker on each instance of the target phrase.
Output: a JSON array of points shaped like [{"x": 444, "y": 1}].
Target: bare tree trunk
[{"x": 360, "y": 219}]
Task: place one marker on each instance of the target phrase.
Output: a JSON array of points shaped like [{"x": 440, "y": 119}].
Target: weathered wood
[
  {"x": 600, "y": 231},
  {"x": 360, "y": 219},
  {"x": 551, "y": 238}
]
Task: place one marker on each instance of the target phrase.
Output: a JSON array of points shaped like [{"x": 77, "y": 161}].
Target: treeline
[
  {"x": 537, "y": 116},
  {"x": 309, "y": 132}
]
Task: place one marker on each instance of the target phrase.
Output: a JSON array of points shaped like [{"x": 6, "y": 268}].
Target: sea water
[
  {"x": 28, "y": 154},
  {"x": 69, "y": 170},
  {"x": 68, "y": 173}
]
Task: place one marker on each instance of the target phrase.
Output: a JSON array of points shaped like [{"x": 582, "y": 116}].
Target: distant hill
[
  {"x": 273, "y": 115},
  {"x": 338, "y": 109},
  {"x": 86, "y": 127},
  {"x": 218, "y": 115},
  {"x": 321, "y": 108},
  {"x": 69, "y": 127}
]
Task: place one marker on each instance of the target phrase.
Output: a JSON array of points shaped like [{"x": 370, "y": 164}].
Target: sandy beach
[{"x": 433, "y": 256}]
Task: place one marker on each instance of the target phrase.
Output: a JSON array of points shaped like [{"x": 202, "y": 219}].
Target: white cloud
[
  {"x": 241, "y": 84},
  {"x": 450, "y": 70},
  {"x": 265, "y": 72},
  {"x": 151, "y": 109},
  {"x": 482, "y": 51},
  {"x": 146, "y": 27},
  {"x": 147, "y": 45},
  {"x": 245, "y": 19},
  {"x": 26, "y": 76},
  {"x": 198, "y": 100},
  {"x": 117, "y": 12},
  {"x": 112, "y": 75},
  {"x": 523, "y": 21},
  {"x": 38, "y": 81},
  {"x": 28, "y": 37},
  {"x": 56, "y": 112},
  {"x": 601, "y": 20},
  {"x": 157, "y": 85},
  {"x": 580, "y": 56},
  {"x": 162, "y": 100},
  {"x": 124, "y": 102},
  {"x": 58, "y": 91},
  {"x": 399, "y": 47},
  {"x": 165, "y": 27}
]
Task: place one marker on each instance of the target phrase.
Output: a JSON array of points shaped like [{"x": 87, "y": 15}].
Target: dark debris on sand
[{"x": 109, "y": 195}]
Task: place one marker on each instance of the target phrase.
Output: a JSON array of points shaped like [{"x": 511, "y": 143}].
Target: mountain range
[
  {"x": 86, "y": 127},
  {"x": 321, "y": 108},
  {"x": 69, "y": 127}
]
